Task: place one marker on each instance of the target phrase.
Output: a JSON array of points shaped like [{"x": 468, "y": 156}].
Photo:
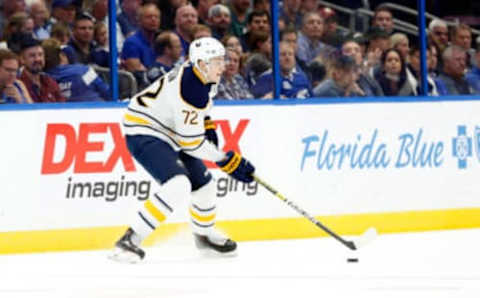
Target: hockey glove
[
  {"x": 237, "y": 167},
  {"x": 210, "y": 132}
]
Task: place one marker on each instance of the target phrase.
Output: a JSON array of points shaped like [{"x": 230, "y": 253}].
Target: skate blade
[
  {"x": 211, "y": 253},
  {"x": 124, "y": 257}
]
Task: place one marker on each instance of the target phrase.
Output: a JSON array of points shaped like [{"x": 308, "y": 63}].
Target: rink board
[{"x": 69, "y": 182}]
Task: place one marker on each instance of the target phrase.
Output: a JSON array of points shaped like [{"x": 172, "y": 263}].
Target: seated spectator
[
  {"x": 203, "y": 7},
  {"x": 127, "y": 18},
  {"x": 294, "y": 84},
  {"x": 451, "y": 80},
  {"x": 100, "y": 12},
  {"x": 168, "y": 10},
  {"x": 308, "y": 5},
  {"x": 257, "y": 21},
  {"x": 169, "y": 51},
  {"x": 262, "y": 5},
  {"x": 316, "y": 72},
  {"x": 232, "y": 85},
  {"x": 11, "y": 89},
  {"x": 260, "y": 59},
  {"x": 63, "y": 11},
  {"x": 309, "y": 39},
  {"x": 461, "y": 35},
  {"x": 341, "y": 81},
  {"x": 433, "y": 65},
  {"x": 40, "y": 15},
  {"x": 414, "y": 73},
  {"x": 290, "y": 14},
  {"x": 392, "y": 75},
  {"x": 383, "y": 18},
  {"x": 232, "y": 42},
  {"x": 438, "y": 36},
  {"x": 186, "y": 18},
  {"x": 41, "y": 87},
  {"x": 290, "y": 36},
  {"x": 378, "y": 43},
  {"x": 101, "y": 51},
  {"x": 332, "y": 34},
  {"x": 137, "y": 52},
  {"x": 366, "y": 83},
  {"x": 200, "y": 30},
  {"x": 9, "y": 8},
  {"x": 19, "y": 24},
  {"x": 81, "y": 47},
  {"x": 473, "y": 76},
  {"x": 61, "y": 33},
  {"x": 77, "y": 82},
  {"x": 219, "y": 20},
  {"x": 239, "y": 11},
  {"x": 400, "y": 42}
]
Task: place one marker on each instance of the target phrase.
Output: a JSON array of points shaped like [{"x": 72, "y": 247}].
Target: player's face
[{"x": 215, "y": 69}]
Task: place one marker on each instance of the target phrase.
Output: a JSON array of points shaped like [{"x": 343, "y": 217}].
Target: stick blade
[{"x": 368, "y": 236}]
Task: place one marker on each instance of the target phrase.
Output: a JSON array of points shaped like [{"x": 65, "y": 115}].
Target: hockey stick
[{"x": 368, "y": 236}]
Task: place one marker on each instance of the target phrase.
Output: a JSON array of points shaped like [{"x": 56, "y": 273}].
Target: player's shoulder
[{"x": 194, "y": 90}]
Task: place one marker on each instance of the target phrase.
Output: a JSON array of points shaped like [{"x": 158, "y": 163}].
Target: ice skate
[
  {"x": 126, "y": 251},
  {"x": 216, "y": 243}
]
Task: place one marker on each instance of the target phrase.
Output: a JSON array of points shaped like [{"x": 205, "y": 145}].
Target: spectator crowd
[{"x": 58, "y": 50}]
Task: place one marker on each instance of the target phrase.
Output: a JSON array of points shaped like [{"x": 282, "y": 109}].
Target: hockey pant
[{"x": 181, "y": 177}]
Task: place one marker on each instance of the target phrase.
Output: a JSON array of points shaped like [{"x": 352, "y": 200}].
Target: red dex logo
[{"x": 77, "y": 145}]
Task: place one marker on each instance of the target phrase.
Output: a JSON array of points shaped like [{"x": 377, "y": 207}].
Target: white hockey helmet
[{"x": 205, "y": 48}]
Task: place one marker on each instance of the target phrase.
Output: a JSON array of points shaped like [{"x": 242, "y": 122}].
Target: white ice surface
[{"x": 431, "y": 264}]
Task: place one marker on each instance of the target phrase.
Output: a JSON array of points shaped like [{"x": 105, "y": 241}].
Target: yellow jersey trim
[
  {"x": 189, "y": 144},
  {"x": 199, "y": 75},
  {"x": 136, "y": 119}
]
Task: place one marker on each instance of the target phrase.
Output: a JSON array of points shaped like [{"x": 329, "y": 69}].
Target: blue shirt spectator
[
  {"x": 308, "y": 49},
  {"x": 447, "y": 85},
  {"x": 81, "y": 46},
  {"x": 138, "y": 46},
  {"x": 452, "y": 80},
  {"x": 294, "y": 85},
  {"x": 42, "y": 25},
  {"x": 473, "y": 78},
  {"x": 76, "y": 55},
  {"x": 80, "y": 83},
  {"x": 138, "y": 50},
  {"x": 126, "y": 26}
]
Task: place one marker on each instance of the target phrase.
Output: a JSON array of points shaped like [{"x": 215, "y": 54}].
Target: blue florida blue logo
[{"x": 462, "y": 146}]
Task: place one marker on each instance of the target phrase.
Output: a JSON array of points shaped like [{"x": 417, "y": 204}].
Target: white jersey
[{"x": 173, "y": 109}]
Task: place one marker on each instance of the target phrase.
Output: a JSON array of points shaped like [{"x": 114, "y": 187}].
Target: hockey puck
[{"x": 352, "y": 260}]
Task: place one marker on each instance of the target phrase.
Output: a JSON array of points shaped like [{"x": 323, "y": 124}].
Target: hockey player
[{"x": 169, "y": 132}]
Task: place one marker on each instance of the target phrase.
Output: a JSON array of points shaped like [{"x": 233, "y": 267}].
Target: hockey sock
[
  {"x": 203, "y": 209},
  {"x": 160, "y": 206}
]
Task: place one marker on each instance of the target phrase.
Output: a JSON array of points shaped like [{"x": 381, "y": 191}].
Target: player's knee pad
[
  {"x": 161, "y": 204},
  {"x": 203, "y": 208}
]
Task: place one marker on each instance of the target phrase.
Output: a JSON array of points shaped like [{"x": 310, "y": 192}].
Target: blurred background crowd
[{"x": 58, "y": 50}]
